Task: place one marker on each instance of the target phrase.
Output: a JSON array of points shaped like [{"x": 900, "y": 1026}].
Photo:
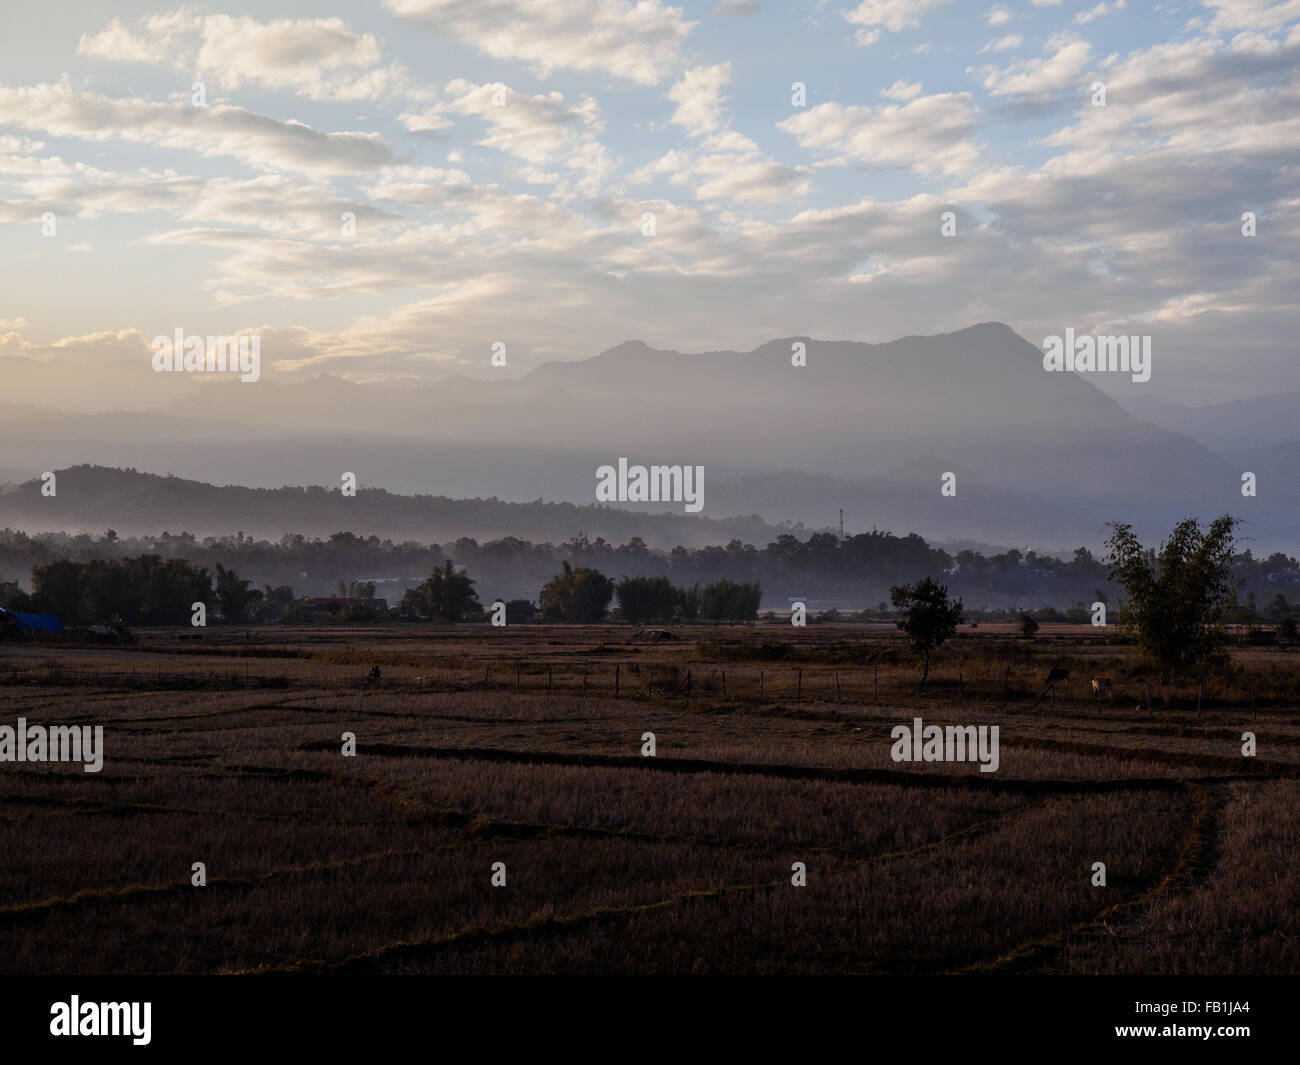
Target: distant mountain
[
  {"x": 95, "y": 498},
  {"x": 1048, "y": 457},
  {"x": 1236, "y": 426}
]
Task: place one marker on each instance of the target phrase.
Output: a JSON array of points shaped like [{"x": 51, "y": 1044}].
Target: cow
[
  {"x": 1053, "y": 675},
  {"x": 1101, "y": 686}
]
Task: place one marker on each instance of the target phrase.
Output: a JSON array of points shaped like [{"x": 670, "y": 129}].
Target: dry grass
[{"x": 617, "y": 863}]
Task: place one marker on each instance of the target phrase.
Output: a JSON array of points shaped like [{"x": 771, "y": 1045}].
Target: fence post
[
  {"x": 617, "y": 668},
  {"x": 1148, "y": 687},
  {"x": 875, "y": 683},
  {"x": 688, "y": 682},
  {"x": 550, "y": 677},
  {"x": 516, "y": 676},
  {"x": 650, "y": 686}
]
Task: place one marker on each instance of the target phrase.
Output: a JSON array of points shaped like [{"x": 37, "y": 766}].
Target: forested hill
[{"x": 94, "y": 498}]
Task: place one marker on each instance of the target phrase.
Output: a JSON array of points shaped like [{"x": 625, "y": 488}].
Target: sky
[{"x": 561, "y": 176}]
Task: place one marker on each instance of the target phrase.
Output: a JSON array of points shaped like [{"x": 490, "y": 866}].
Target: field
[{"x": 524, "y": 746}]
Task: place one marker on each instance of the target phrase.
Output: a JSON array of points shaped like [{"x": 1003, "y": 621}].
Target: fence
[{"x": 632, "y": 680}]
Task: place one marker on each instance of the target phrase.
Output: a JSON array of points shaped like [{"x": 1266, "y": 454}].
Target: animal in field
[
  {"x": 1055, "y": 674},
  {"x": 1102, "y": 686},
  {"x": 373, "y": 676}
]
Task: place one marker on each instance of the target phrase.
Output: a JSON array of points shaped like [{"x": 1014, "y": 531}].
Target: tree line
[{"x": 859, "y": 570}]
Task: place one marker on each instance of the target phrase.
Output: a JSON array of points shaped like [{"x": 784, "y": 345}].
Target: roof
[{"x": 40, "y": 622}]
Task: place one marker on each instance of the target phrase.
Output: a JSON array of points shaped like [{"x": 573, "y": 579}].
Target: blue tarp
[{"x": 42, "y": 622}]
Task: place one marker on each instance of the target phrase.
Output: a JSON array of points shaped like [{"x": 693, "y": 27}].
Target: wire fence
[{"x": 869, "y": 686}]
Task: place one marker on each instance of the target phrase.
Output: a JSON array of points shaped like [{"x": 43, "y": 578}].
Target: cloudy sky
[{"x": 501, "y": 157}]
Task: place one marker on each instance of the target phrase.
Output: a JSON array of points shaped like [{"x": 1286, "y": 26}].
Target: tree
[
  {"x": 443, "y": 594},
  {"x": 726, "y": 600},
  {"x": 580, "y": 594},
  {"x": 1028, "y": 625},
  {"x": 927, "y": 616},
  {"x": 647, "y": 598},
  {"x": 234, "y": 595},
  {"x": 1177, "y": 596}
]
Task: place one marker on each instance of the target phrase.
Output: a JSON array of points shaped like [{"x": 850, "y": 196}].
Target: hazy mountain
[
  {"x": 1047, "y": 457},
  {"x": 1239, "y": 425},
  {"x": 94, "y": 498}
]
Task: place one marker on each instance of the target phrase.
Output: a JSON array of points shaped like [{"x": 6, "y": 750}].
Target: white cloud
[
  {"x": 998, "y": 16},
  {"x": 698, "y": 96},
  {"x": 928, "y": 134},
  {"x": 903, "y": 90},
  {"x": 728, "y": 166},
  {"x": 258, "y": 140},
  {"x": 1039, "y": 79},
  {"x": 892, "y": 15},
  {"x": 541, "y": 130},
  {"x": 1252, "y": 14},
  {"x": 639, "y": 42},
  {"x": 152, "y": 45},
  {"x": 1004, "y": 44},
  {"x": 322, "y": 59},
  {"x": 1102, "y": 9}
]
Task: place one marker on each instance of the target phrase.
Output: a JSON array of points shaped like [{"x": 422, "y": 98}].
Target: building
[{"x": 30, "y": 622}]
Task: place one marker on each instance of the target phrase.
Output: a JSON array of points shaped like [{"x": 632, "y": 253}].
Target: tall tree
[
  {"x": 1178, "y": 594},
  {"x": 927, "y": 616},
  {"x": 444, "y": 594},
  {"x": 577, "y": 594}
]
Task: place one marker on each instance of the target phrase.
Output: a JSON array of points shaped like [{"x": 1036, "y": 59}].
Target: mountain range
[{"x": 1042, "y": 459}]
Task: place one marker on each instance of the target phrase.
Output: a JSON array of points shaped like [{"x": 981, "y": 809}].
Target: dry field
[{"x": 480, "y": 746}]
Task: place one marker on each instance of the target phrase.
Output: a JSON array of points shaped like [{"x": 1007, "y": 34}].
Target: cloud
[
  {"x": 257, "y": 140},
  {"x": 321, "y": 59},
  {"x": 728, "y": 166},
  {"x": 1252, "y": 14},
  {"x": 153, "y": 44},
  {"x": 541, "y": 131},
  {"x": 998, "y": 16},
  {"x": 1102, "y": 9},
  {"x": 1039, "y": 80},
  {"x": 892, "y": 15},
  {"x": 698, "y": 96},
  {"x": 1003, "y": 44},
  {"x": 903, "y": 90},
  {"x": 929, "y": 134},
  {"x": 639, "y": 42}
]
